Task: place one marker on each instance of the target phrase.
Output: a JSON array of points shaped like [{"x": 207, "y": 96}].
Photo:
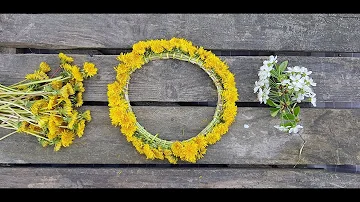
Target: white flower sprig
[{"x": 282, "y": 87}]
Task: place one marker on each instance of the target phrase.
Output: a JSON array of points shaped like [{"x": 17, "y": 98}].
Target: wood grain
[
  {"x": 174, "y": 178},
  {"x": 172, "y": 80},
  {"x": 331, "y": 135},
  {"x": 289, "y": 32}
]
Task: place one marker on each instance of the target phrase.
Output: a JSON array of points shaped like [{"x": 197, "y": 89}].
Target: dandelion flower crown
[{"x": 153, "y": 146}]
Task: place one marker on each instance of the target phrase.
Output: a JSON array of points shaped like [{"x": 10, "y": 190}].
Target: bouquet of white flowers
[{"x": 282, "y": 88}]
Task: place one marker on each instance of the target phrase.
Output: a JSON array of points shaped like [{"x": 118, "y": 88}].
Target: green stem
[
  {"x": 60, "y": 78},
  {"x": 7, "y": 135},
  {"x": 16, "y": 106}
]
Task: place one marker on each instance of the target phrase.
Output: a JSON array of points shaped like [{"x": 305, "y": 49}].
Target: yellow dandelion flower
[
  {"x": 44, "y": 67},
  {"x": 131, "y": 59},
  {"x": 116, "y": 115},
  {"x": 65, "y": 59},
  {"x": 73, "y": 120},
  {"x": 68, "y": 107},
  {"x": 220, "y": 129},
  {"x": 37, "y": 106},
  {"x": 230, "y": 111},
  {"x": 200, "y": 141},
  {"x": 177, "y": 148},
  {"x": 156, "y": 47},
  {"x": 52, "y": 101},
  {"x": 66, "y": 66},
  {"x": 86, "y": 115},
  {"x": 128, "y": 131},
  {"x": 140, "y": 47},
  {"x": 23, "y": 126},
  {"x": 53, "y": 129},
  {"x": 90, "y": 69},
  {"x": 42, "y": 121},
  {"x": 75, "y": 71},
  {"x": 212, "y": 138},
  {"x": 80, "y": 128},
  {"x": 57, "y": 146},
  {"x": 127, "y": 119},
  {"x": 122, "y": 68},
  {"x": 137, "y": 144},
  {"x": 158, "y": 153},
  {"x": 148, "y": 152},
  {"x": 31, "y": 77},
  {"x": 190, "y": 151},
  {"x": 79, "y": 86},
  {"x": 166, "y": 44},
  {"x": 44, "y": 143},
  {"x": 169, "y": 156},
  {"x": 56, "y": 84},
  {"x": 67, "y": 138},
  {"x": 79, "y": 99}
]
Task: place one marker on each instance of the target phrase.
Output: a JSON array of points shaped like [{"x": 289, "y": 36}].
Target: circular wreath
[{"x": 153, "y": 146}]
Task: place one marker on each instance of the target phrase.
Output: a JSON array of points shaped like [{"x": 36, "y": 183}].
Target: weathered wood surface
[
  {"x": 290, "y": 32},
  {"x": 174, "y": 178},
  {"x": 172, "y": 80},
  {"x": 331, "y": 135}
]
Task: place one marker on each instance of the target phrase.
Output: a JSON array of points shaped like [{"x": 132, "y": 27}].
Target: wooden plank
[
  {"x": 174, "y": 178},
  {"x": 4, "y": 50},
  {"x": 289, "y": 32},
  {"x": 331, "y": 135},
  {"x": 172, "y": 80}
]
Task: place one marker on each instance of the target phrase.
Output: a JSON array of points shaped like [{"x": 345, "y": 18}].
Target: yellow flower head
[
  {"x": 80, "y": 128},
  {"x": 75, "y": 71},
  {"x": 65, "y": 59},
  {"x": 90, "y": 69},
  {"x": 79, "y": 99},
  {"x": 44, "y": 67},
  {"x": 86, "y": 115},
  {"x": 56, "y": 84},
  {"x": 67, "y": 138},
  {"x": 148, "y": 152}
]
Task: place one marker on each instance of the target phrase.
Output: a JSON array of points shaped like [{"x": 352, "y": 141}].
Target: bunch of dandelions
[
  {"x": 282, "y": 88},
  {"x": 45, "y": 107}
]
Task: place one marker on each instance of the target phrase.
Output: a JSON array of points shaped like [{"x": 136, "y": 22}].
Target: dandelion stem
[{"x": 8, "y": 135}]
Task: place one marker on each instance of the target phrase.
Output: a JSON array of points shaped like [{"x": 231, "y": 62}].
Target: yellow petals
[
  {"x": 148, "y": 152},
  {"x": 56, "y": 84},
  {"x": 73, "y": 120},
  {"x": 80, "y": 128},
  {"x": 44, "y": 67},
  {"x": 90, "y": 69},
  {"x": 87, "y": 115},
  {"x": 65, "y": 59},
  {"x": 67, "y": 138},
  {"x": 75, "y": 71},
  {"x": 57, "y": 146},
  {"x": 79, "y": 100}
]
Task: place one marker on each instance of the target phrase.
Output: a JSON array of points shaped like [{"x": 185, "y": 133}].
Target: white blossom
[
  {"x": 282, "y": 128},
  {"x": 295, "y": 129},
  {"x": 313, "y": 99},
  {"x": 260, "y": 95},
  {"x": 285, "y": 81}
]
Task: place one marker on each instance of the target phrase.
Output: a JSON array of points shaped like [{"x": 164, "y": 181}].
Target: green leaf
[
  {"x": 288, "y": 116},
  {"x": 271, "y": 103},
  {"x": 283, "y": 66},
  {"x": 291, "y": 124},
  {"x": 274, "y": 111},
  {"x": 297, "y": 110}
]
